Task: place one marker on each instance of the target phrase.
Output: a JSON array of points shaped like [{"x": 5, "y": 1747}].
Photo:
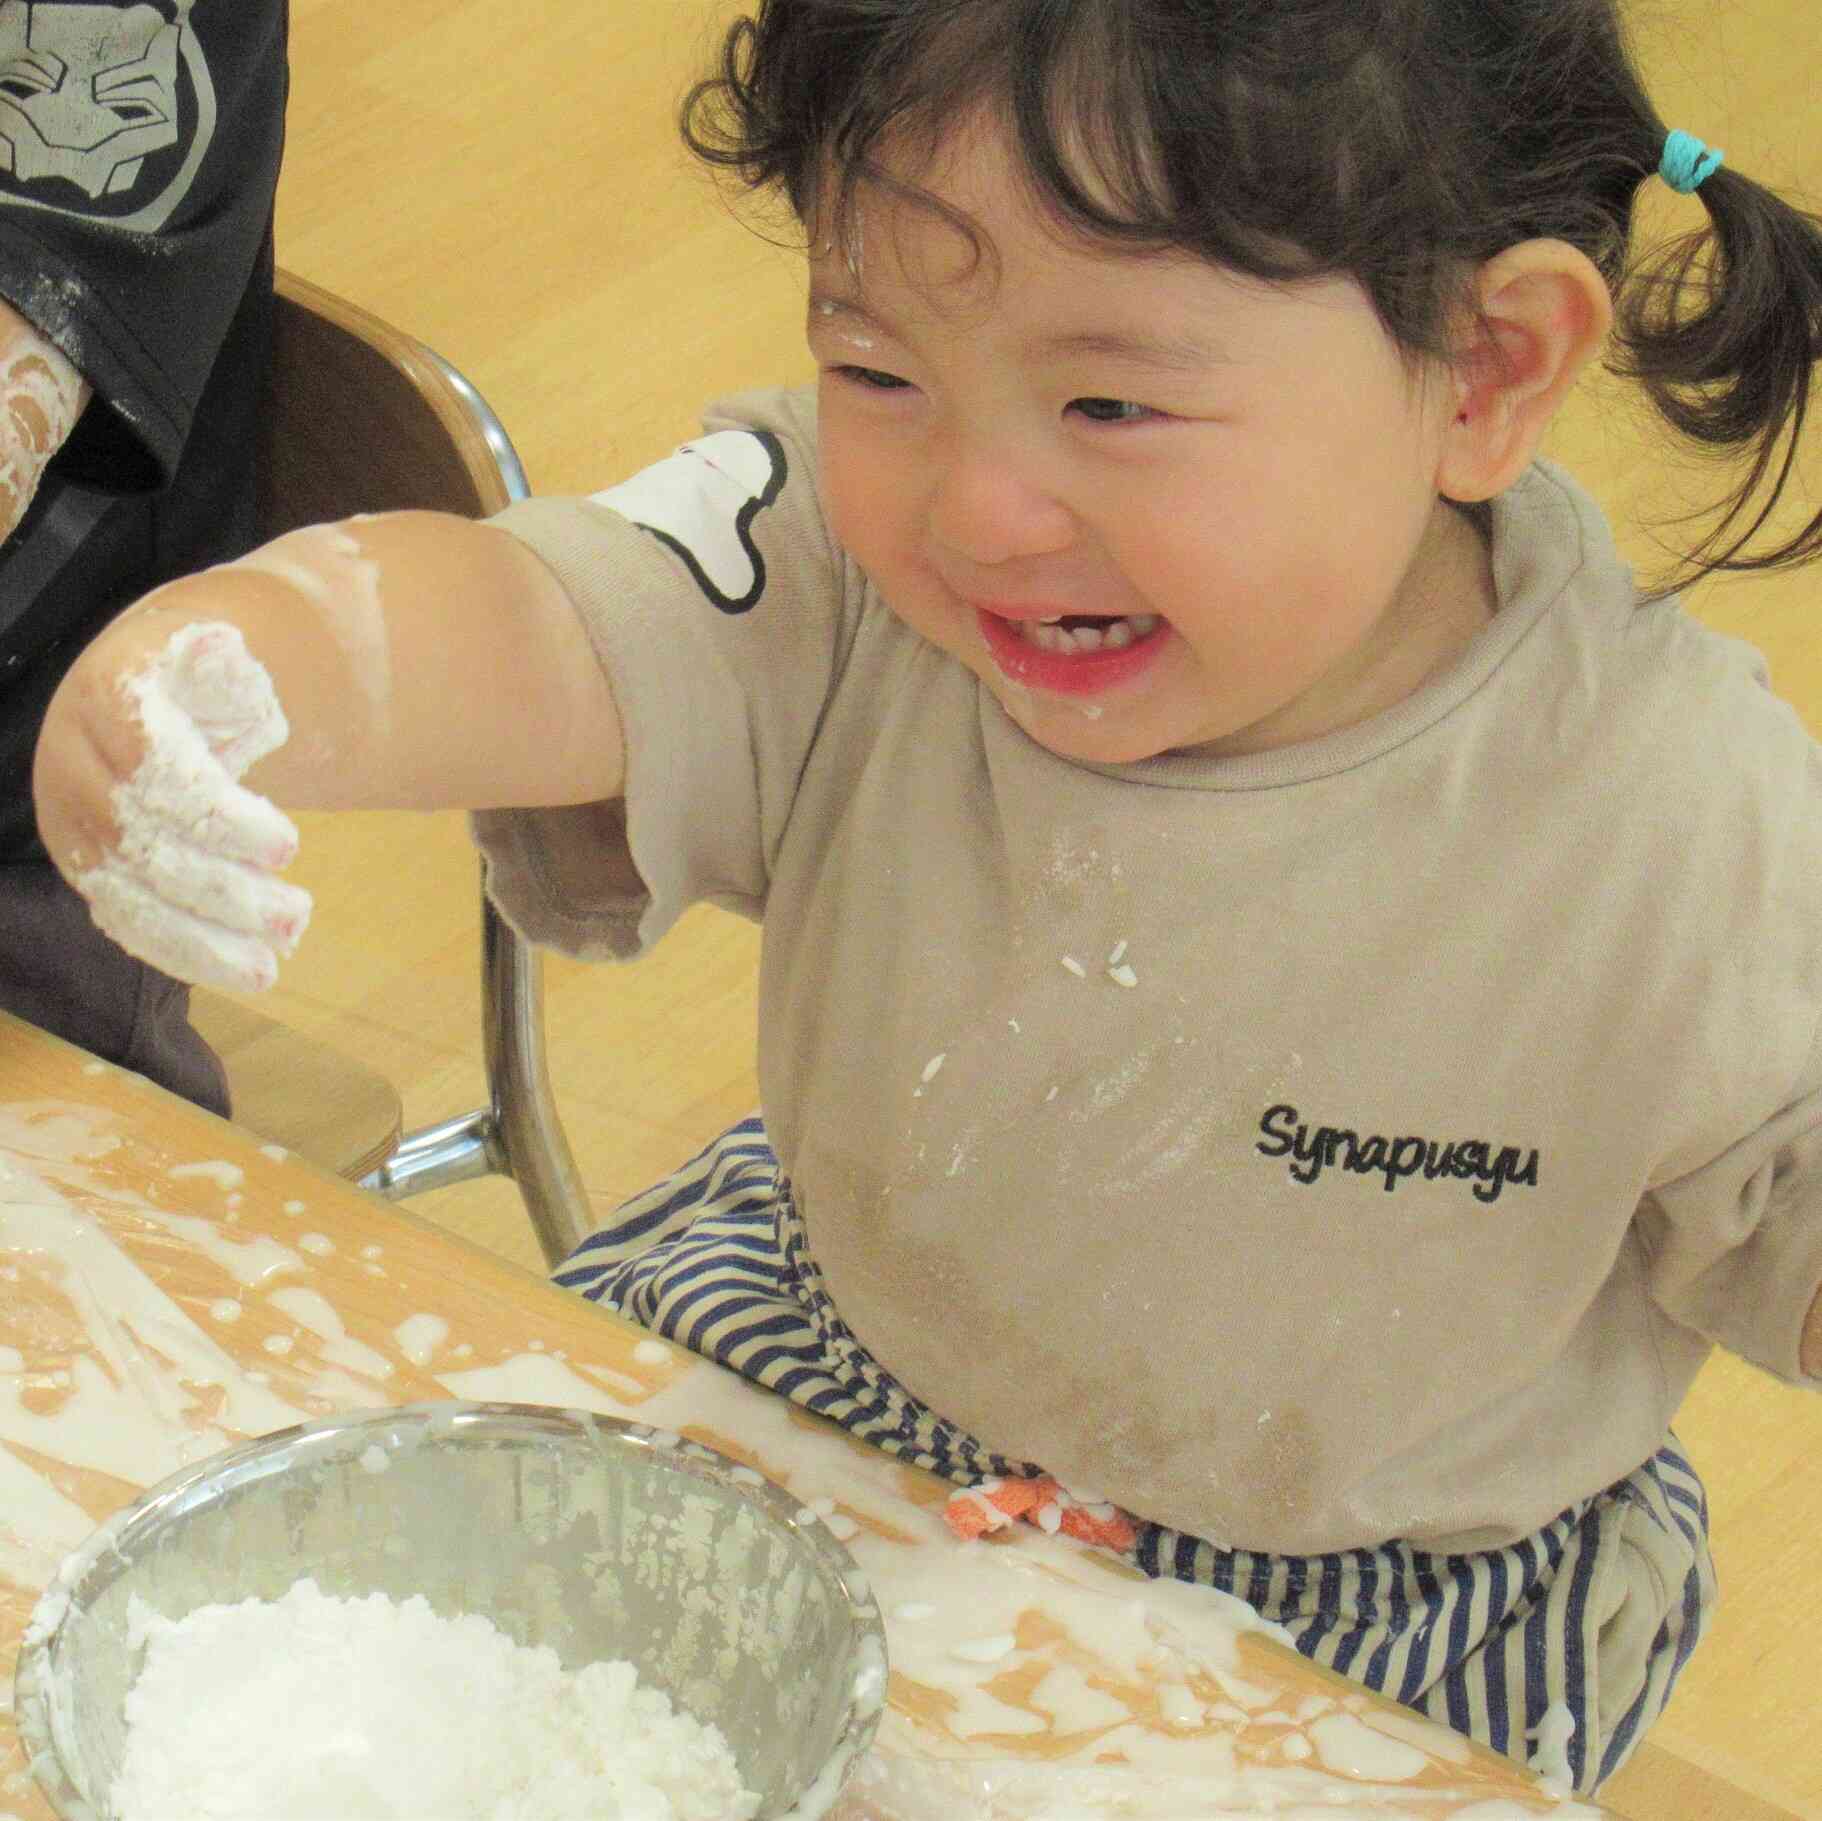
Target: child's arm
[
  {"x": 41, "y": 397},
  {"x": 409, "y": 661}
]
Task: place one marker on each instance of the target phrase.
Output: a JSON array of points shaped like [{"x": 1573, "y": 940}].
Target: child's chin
[{"x": 1091, "y": 731}]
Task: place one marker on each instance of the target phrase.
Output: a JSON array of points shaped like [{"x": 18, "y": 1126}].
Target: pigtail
[{"x": 1724, "y": 330}]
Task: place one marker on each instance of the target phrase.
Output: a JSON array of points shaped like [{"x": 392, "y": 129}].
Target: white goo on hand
[{"x": 190, "y": 888}]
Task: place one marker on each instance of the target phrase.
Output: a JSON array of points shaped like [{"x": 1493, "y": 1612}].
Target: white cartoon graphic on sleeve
[{"x": 702, "y": 502}]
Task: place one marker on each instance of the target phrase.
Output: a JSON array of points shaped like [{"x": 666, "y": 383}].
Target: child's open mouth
[{"x": 1074, "y": 654}]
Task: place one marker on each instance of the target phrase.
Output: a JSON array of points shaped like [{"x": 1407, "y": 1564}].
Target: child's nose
[{"x": 990, "y": 506}]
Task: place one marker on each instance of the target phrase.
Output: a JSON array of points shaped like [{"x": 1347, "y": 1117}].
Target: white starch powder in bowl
[
  {"x": 454, "y": 1612},
  {"x": 369, "y": 1710}
]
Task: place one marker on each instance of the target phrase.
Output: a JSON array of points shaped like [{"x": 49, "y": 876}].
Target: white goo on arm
[
  {"x": 41, "y": 396},
  {"x": 190, "y": 888}
]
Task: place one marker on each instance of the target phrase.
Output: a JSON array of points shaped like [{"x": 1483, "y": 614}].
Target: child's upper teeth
[{"x": 1109, "y": 635}]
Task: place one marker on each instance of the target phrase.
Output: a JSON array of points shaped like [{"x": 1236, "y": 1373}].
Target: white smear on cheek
[{"x": 325, "y": 564}]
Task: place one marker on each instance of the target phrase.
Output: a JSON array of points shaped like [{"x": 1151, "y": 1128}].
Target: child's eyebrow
[
  {"x": 1175, "y": 351},
  {"x": 1183, "y": 352}
]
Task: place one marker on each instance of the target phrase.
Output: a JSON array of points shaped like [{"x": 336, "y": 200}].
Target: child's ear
[{"x": 1538, "y": 315}]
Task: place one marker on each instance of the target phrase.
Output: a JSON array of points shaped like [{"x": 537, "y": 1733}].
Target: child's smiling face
[{"x": 1237, "y": 483}]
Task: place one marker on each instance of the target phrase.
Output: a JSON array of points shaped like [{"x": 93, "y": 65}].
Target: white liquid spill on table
[
  {"x": 1046, "y": 1639},
  {"x": 995, "y": 1646}
]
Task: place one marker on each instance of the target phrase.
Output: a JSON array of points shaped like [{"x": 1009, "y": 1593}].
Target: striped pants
[{"x": 1596, "y": 1613}]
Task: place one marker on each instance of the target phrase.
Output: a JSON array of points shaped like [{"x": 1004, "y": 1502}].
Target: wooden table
[{"x": 168, "y": 1286}]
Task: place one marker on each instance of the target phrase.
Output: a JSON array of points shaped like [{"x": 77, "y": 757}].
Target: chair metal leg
[
  {"x": 518, "y": 1134},
  {"x": 434, "y": 1156},
  {"x": 537, "y": 1152}
]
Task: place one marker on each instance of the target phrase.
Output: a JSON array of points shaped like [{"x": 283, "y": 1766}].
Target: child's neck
[
  {"x": 1448, "y": 599},
  {"x": 1445, "y": 601},
  {"x": 1459, "y": 583}
]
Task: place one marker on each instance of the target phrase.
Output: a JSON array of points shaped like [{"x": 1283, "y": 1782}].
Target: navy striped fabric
[{"x": 1596, "y": 1613}]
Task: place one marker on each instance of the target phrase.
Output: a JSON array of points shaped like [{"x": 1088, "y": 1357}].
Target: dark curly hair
[{"x": 1402, "y": 142}]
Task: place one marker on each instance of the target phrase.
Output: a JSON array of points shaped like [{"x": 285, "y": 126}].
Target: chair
[{"x": 362, "y": 418}]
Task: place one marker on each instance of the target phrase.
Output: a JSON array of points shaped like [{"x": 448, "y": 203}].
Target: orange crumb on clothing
[{"x": 994, "y": 1504}]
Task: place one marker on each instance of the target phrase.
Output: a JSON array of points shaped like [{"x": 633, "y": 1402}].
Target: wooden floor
[{"x": 505, "y": 183}]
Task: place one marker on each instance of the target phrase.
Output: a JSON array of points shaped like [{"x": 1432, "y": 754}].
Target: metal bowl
[{"x": 598, "y": 1538}]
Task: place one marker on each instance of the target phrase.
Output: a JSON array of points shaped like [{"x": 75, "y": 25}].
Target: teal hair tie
[{"x": 1688, "y": 163}]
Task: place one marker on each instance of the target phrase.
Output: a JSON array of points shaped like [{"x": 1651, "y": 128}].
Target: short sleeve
[
  {"x": 1734, "y": 1249},
  {"x": 720, "y": 610}
]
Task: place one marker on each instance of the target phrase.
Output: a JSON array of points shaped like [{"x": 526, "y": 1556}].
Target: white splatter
[
  {"x": 216, "y": 1170},
  {"x": 419, "y": 1337},
  {"x": 326, "y": 564},
  {"x": 315, "y": 1312}
]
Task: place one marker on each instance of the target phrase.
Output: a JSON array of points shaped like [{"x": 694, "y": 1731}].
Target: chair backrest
[{"x": 360, "y": 417}]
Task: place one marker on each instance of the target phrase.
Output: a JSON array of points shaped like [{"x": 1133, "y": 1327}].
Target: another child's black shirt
[{"x": 139, "y": 153}]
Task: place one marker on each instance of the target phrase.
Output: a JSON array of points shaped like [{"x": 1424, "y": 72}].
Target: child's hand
[{"x": 139, "y": 805}]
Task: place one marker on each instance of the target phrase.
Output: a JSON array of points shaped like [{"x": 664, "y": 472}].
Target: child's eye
[
  {"x": 872, "y": 378},
  {"x": 1111, "y": 410}
]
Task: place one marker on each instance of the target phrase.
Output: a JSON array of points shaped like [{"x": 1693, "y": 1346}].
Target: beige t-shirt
[{"x": 1353, "y": 1141}]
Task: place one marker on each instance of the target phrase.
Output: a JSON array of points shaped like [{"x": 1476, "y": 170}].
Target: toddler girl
[{"x": 1290, "y": 990}]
